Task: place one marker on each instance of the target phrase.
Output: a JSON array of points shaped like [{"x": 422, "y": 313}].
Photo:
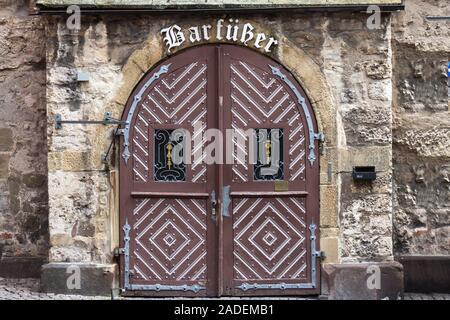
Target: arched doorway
[{"x": 192, "y": 226}]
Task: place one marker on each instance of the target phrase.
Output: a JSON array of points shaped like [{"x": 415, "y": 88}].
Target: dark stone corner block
[
  {"x": 94, "y": 279},
  {"x": 349, "y": 281},
  {"x": 21, "y": 267},
  {"x": 426, "y": 274}
]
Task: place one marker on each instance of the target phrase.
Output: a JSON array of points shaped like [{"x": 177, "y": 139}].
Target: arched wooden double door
[{"x": 247, "y": 226}]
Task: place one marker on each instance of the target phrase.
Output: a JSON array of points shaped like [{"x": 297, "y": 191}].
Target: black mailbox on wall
[{"x": 366, "y": 173}]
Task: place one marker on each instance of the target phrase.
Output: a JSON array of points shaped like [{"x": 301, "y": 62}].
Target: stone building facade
[
  {"x": 24, "y": 238},
  {"x": 379, "y": 96}
]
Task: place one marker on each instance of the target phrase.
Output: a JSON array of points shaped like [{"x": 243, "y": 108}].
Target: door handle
[
  {"x": 226, "y": 201},
  {"x": 213, "y": 203}
]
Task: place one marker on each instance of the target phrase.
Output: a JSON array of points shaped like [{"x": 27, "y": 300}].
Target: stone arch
[{"x": 303, "y": 68}]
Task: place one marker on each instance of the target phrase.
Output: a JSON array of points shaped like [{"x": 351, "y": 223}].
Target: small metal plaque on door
[{"x": 282, "y": 185}]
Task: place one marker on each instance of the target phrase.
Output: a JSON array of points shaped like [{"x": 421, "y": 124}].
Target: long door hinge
[{"x": 319, "y": 136}]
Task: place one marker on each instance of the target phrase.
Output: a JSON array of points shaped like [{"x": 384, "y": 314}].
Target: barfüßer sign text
[{"x": 175, "y": 36}]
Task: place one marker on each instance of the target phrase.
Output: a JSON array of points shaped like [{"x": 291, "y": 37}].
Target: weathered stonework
[
  {"x": 421, "y": 136},
  {"x": 161, "y": 4},
  {"x": 23, "y": 158},
  {"x": 350, "y": 281},
  {"x": 80, "y": 235}
]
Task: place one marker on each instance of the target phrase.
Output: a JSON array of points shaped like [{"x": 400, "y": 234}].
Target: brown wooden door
[
  {"x": 274, "y": 201},
  {"x": 165, "y": 205},
  {"x": 259, "y": 237}
]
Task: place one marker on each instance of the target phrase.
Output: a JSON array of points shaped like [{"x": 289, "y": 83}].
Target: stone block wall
[
  {"x": 421, "y": 131},
  {"x": 356, "y": 63},
  {"x": 23, "y": 146},
  {"x": 81, "y": 195}
]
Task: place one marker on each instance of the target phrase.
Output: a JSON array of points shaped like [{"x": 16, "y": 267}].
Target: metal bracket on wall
[
  {"x": 437, "y": 17},
  {"x": 107, "y": 120},
  {"x": 321, "y": 255},
  {"x": 118, "y": 252},
  {"x": 321, "y": 138}
]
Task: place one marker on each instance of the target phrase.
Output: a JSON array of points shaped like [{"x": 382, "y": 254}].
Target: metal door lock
[{"x": 213, "y": 203}]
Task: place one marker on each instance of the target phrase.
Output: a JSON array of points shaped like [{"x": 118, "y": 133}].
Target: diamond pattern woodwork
[
  {"x": 269, "y": 239},
  {"x": 169, "y": 239},
  {"x": 258, "y": 97}
]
